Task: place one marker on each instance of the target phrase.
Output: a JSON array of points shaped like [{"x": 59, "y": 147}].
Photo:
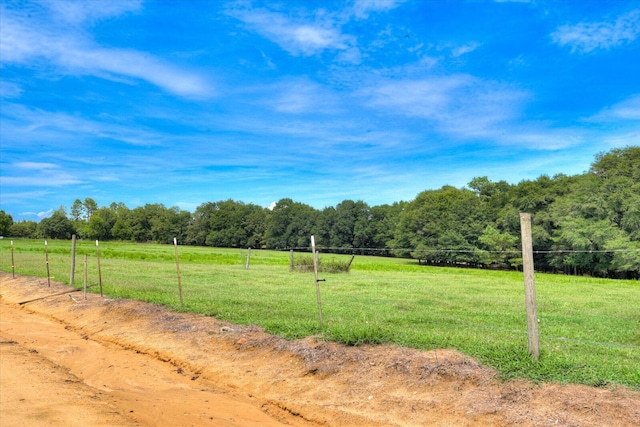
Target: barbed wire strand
[{"x": 559, "y": 251}]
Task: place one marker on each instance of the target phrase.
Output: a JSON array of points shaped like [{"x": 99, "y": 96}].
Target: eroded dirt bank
[{"x": 68, "y": 361}]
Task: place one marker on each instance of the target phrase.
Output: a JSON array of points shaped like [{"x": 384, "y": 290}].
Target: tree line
[{"x": 582, "y": 224}]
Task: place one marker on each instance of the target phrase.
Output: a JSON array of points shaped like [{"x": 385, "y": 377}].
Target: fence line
[
  {"x": 343, "y": 249},
  {"x": 479, "y": 327}
]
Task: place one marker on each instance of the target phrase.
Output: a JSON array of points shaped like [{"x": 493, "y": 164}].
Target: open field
[{"x": 590, "y": 328}]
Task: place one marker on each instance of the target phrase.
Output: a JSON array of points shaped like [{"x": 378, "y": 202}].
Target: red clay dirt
[{"x": 67, "y": 361}]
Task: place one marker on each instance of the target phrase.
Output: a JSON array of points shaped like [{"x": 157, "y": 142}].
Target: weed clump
[{"x": 304, "y": 264}]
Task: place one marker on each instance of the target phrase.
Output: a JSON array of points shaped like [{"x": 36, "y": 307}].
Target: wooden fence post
[
  {"x": 86, "y": 276},
  {"x": 246, "y": 267},
  {"x": 529, "y": 285},
  {"x": 175, "y": 245},
  {"x": 73, "y": 259},
  {"x": 99, "y": 268},
  {"x": 315, "y": 273},
  {"x": 291, "y": 263},
  {"x": 13, "y": 265},
  {"x": 46, "y": 257}
]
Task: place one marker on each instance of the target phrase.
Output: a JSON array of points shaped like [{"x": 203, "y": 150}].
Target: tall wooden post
[
  {"x": 13, "y": 265},
  {"x": 315, "y": 273},
  {"x": 246, "y": 266},
  {"x": 73, "y": 259},
  {"x": 46, "y": 257},
  {"x": 86, "y": 276},
  {"x": 529, "y": 285},
  {"x": 99, "y": 268},
  {"x": 291, "y": 261},
  {"x": 175, "y": 245}
]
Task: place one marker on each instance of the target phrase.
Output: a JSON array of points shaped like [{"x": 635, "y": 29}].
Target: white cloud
[
  {"x": 79, "y": 11},
  {"x": 30, "y": 41},
  {"x": 623, "y": 139},
  {"x": 460, "y": 104},
  {"x": 45, "y": 214},
  {"x": 49, "y": 177},
  {"x": 629, "y": 109},
  {"x": 36, "y": 165},
  {"x": 28, "y": 124},
  {"x": 299, "y": 96},
  {"x": 464, "y": 49},
  {"x": 362, "y": 8},
  {"x": 9, "y": 90},
  {"x": 586, "y": 37},
  {"x": 301, "y": 36}
]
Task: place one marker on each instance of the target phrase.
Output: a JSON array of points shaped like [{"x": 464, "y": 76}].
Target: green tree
[
  {"x": 438, "y": 218},
  {"x": 101, "y": 224},
  {"x": 77, "y": 211},
  {"x": 291, "y": 225},
  {"x": 349, "y": 228},
  {"x": 6, "y": 221},
  {"x": 502, "y": 247},
  {"x": 57, "y": 226},
  {"x": 384, "y": 222},
  {"x": 139, "y": 222},
  {"x": 90, "y": 206},
  {"x": 26, "y": 229}
]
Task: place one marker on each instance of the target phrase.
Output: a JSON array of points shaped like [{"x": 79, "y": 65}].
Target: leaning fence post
[{"x": 529, "y": 285}]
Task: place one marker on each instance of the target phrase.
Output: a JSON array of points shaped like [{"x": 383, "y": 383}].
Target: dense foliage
[{"x": 582, "y": 224}]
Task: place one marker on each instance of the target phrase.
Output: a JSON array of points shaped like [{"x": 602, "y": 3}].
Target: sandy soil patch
[{"x": 67, "y": 361}]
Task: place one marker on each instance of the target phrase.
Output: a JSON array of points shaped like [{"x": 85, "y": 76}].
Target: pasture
[{"x": 589, "y": 328}]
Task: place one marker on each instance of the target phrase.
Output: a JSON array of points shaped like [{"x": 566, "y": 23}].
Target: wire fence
[{"x": 476, "y": 304}]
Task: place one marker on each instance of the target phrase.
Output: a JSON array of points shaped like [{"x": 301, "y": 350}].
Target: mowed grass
[{"x": 589, "y": 328}]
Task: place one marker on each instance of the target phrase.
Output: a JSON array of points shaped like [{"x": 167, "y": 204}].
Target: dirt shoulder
[{"x": 67, "y": 361}]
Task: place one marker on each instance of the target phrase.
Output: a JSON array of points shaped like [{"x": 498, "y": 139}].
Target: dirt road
[{"x": 101, "y": 362}]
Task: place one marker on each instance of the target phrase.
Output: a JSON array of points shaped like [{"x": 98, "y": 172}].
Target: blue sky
[{"x": 185, "y": 102}]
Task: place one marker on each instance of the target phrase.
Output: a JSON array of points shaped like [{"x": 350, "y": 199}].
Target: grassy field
[{"x": 589, "y": 328}]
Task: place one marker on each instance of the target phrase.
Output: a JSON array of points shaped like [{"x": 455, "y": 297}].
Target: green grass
[{"x": 589, "y": 328}]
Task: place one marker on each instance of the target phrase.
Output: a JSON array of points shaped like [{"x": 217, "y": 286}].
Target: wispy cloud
[
  {"x": 586, "y": 37},
  {"x": 301, "y": 96},
  {"x": 29, "y": 124},
  {"x": 464, "y": 49},
  {"x": 457, "y": 104},
  {"x": 36, "y": 174},
  {"x": 300, "y": 36},
  {"x": 33, "y": 40},
  {"x": 81, "y": 11},
  {"x": 629, "y": 109},
  {"x": 9, "y": 90},
  {"x": 36, "y": 165},
  {"x": 362, "y": 8}
]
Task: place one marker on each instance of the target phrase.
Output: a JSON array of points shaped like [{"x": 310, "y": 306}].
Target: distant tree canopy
[{"x": 582, "y": 224}]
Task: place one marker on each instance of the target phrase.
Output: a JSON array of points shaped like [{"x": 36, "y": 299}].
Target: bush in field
[{"x": 304, "y": 264}]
